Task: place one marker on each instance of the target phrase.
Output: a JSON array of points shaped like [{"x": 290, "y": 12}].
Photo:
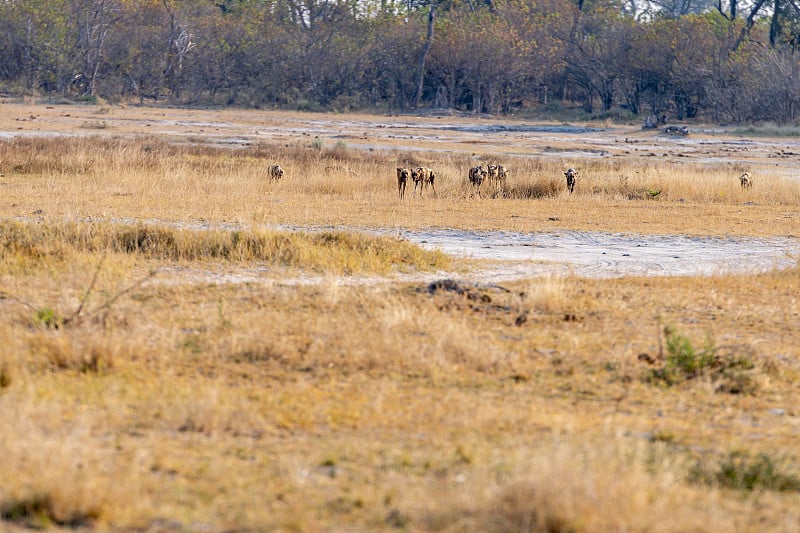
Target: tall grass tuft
[
  {"x": 336, "y": 252},
  {"x": 540, "y": 188}
]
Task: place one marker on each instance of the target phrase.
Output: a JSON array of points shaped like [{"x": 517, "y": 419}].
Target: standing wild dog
[
  {"x": 402, "y": 179},
  {"x": 571, "y": 175},
  {"x": 491, "y": 172},
  {"x": 502, "y": 173},
  {"x": 497, "y": 174},
  {"x": 746, "y": 180},
  {"x": 423, "y": 176},
  {"x": 476, "y": 177},
  {"x": 275, "y": 172}
]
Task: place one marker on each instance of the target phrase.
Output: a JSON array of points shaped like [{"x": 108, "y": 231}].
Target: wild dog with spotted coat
[
  {"x": 476, "y": 177},
  {"x": 402, "y": 178},
  {"x": 423, "y": 176},
  {"x": 275, "y": 172},
  {"x": 571, "y": 175}
]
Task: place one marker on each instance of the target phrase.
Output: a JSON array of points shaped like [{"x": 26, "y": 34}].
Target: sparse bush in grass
[
  {"x": 550, "y": 294},
  {"x": 683, "y": 361},
  {"x": 48, "y": 318},
  {"x": 682, "y": 358},
  {"x": 741, "y": 471},
  {"x": 729, "y": 372},
  {"x": 38, "y": 511},
  {"x": 53, "y": 352}
]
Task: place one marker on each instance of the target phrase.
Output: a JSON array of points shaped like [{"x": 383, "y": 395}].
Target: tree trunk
[{"x": 423, "y": 56}]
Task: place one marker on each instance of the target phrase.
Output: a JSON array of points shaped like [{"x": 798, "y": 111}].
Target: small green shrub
[
  {"x": 48, "y": 318},
  {"x": 730, "y": 372},
  {"x": 683, "y": 361},
  {"x": 740, "y": 471},
  {"x": 682, "y": 358}
]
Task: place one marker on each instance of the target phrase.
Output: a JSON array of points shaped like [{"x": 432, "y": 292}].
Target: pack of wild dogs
[{"x": 424, "y": 177}]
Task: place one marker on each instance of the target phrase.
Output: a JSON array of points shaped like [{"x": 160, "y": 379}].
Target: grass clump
[
  {"x": 741, "y": 471},
  {"x": 329, "y": 251},
  {"x": 541, "y": 188}
]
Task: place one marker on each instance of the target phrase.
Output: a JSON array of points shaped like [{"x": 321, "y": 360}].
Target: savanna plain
[{"x": 355, "y": 381}]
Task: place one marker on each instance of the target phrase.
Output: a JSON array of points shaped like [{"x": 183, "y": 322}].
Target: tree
[
  {"x": 599, "y": 41},
  {"x": 93, "y": 20},
  {"x": 423, "y": 55}
]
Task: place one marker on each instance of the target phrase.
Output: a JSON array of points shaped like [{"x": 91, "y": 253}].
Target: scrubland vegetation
[
  {"x": 733, "y": 61},
  {"x": 135, "y": 402}
]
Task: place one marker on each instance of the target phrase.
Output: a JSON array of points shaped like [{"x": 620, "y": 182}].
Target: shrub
[
  {"x": 740, "y": 471},
  {"x": 730, "y": 372},
  {"x": 683, "y": 361}
]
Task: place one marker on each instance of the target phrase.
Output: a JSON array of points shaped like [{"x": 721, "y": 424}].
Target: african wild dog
[
  {"x": 275, "y": 172},
  {"x": 476, "y": 177},
  {"x": 423, "y": 176},
  {"x": 402, "y": 179},
  {"x": 502, "y": 173},
  {"x": 746, "y": 180},
  {"x": 571, "y": 175},
  {"x": 491, "y": 172}
]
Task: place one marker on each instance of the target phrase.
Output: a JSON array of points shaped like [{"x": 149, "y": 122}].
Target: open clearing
[
  {"x": 186, "y": 345},
  {"x": 537, "y": 237}
]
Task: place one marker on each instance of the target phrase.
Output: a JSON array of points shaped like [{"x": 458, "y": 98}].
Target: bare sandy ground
[{"x": 508, "y": 256}]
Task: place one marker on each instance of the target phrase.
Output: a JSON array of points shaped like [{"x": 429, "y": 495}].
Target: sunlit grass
[
  {"x": 324, "y": 251},
  {"x": 382, "y": 405},
  {"x": 147, "y": 178},
  {"x": 134, "y": 401}
]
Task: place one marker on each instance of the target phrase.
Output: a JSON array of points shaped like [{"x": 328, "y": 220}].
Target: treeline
[{"x": 484, "y": 56}]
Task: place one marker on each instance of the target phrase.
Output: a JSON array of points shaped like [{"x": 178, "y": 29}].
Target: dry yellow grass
[
  {"x": 262, "y": 406},
  {"x": 176, "y": 166}
]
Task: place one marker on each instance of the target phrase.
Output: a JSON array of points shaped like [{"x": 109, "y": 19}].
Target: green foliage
[
  {"x": 729, "y": 372},
  {"x": 740, "y": 471},
  {"x": 48, "y": 318},
  {"x": 682, "y": 358},
  {"x": 365, "y": 55}
]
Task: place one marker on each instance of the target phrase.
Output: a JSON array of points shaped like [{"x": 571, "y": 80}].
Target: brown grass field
[{"x": 137, "y": 396}]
